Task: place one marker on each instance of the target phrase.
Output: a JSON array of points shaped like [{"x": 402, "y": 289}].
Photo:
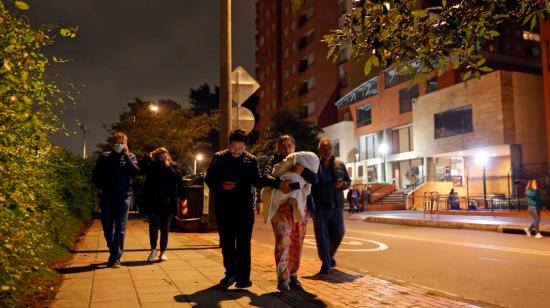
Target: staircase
[{"x": 392, "y": 202}]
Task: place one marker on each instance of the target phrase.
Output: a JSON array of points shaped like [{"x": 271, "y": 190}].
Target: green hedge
[{"x": 45, "y": 192}]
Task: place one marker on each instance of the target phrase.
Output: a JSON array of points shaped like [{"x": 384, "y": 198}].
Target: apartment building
[{"x": 292, "y": 67}]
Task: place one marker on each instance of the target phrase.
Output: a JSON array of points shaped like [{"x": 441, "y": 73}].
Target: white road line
[{"x": 456, "y": 243}]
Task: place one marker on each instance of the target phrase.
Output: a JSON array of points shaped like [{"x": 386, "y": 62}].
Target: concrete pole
[{"x": 225, "y": 73}]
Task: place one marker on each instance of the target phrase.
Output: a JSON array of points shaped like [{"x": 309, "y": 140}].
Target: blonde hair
[{"x": 156, "y": 153}]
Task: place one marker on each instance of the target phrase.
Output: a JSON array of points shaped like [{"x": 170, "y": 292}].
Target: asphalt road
[{"x": 504, "y": 269}]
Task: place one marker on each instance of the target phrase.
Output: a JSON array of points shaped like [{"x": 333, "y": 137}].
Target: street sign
[
  {"x": 243, "y": 120},
  {"x": 242, "y": 85}
]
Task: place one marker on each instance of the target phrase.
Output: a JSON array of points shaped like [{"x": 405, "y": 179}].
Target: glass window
[
  {"x": 360, "y": 171},
  {"x": 336, "y": 147},
  {"x": 431, "y": 85},
  {"x": 392, "y": 78},
  {"x": 405, "y": 98},
  {"x": 370, "y": 144},
  {"x": 364, "y": 115},
  {"x": 453, "y": 122}
]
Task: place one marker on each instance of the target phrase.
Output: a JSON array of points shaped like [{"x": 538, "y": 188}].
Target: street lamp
[
  {"x": 198, "y": 158},
  {"x": 84, "y": 131},
  {"x": 154, "y": 108},
  {"x": 482, "y": 159},
  {"x": 383, "y": 149}
]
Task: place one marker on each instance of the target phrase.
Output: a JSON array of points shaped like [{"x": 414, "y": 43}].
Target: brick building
[{"x": 292, "y": 67}]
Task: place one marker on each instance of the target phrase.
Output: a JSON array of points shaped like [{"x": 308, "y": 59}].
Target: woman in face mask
[{"x": 162, "y": 178}]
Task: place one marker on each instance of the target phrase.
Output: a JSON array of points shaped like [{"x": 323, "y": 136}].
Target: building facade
[{"x": 292, "y": 67}]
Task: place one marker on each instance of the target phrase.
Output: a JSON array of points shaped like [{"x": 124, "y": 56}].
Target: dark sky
[{"x": 152, "y": 49}]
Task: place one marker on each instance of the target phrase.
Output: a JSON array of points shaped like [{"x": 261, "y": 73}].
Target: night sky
[{"x": 152, "y": 49}]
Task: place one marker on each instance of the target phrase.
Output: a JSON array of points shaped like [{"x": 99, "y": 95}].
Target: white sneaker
[
  {"x": 539, "y": 235},
  {"x": 527, "y": 231},
  {"x": 163, "y": 257},
  {"x": 152, "y": 256}
]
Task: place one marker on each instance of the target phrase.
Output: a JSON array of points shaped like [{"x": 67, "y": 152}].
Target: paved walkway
[
  {"x": 189, "y": 278},
  {"x": 470, "y": 221}
]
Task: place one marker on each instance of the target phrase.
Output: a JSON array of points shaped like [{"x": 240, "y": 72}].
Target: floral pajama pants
[{"x": 289, "y": 240}]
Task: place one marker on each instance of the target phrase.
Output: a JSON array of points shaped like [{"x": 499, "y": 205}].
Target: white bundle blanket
[{"x": 272, "y": 198}]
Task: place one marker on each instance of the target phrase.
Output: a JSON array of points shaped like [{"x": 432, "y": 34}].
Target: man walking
[
  {"x": 231, "y": 176},
  {"x": 328, "y": 196},
  {"x": 113, "y": 176}
]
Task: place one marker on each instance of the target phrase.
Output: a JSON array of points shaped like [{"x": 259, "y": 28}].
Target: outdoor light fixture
[
  {"x": 198, "y": 158},
  {"x": 483, "y": 158},
  {"x": 154, "y": 108}
]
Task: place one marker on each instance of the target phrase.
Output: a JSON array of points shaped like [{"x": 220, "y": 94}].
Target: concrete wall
[{"x": 344, "y": 132}]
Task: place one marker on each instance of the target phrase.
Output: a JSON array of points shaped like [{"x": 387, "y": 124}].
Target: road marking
[
  {"x": 464, "y": 244},
  {"x": 309, "y": 242},
  {"x": 492, "y": 260}
]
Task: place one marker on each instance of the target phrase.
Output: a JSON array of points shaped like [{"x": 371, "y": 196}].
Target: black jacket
[
  {"x": 160, "y": 190},
  {"x": 325, "y": 196},
  {"x": 244, "y": 171},
  {"x": 113, "y": 174}
]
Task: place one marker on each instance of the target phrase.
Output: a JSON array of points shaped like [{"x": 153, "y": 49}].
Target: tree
[
  {"x": 287, "y": 122},
  {"x": 176, "y": 128},
  {"x": 418, "y": 40}
]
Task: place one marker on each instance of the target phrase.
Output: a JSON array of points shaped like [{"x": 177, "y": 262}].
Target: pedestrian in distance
[
  {"x": 328, "y": 196},
  {"x": 113, "y": 176},
  {"x": 353, "y": 200},
  {"x": 162, "y": 179},
  {"x": 231, "y": 175},
  {"x": 289, "y": 228},
  {"x": 534, "y": 205}
]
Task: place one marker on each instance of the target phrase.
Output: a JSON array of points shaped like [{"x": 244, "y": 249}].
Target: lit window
[{"x": 530, "y": 36}]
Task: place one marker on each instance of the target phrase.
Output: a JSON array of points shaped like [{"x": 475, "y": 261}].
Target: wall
[{"x": 344, "y": 132}]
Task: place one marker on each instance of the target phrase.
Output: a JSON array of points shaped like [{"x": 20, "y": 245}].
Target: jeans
[
  {"x": 114, "y": 216},
  {"x": 159, "y": 221},
  {"x": 329, "y": 232},
  {"x": 535, "y": 213}
]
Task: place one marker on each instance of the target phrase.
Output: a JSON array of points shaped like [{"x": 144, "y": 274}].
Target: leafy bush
[{"x": 45, "y": 192}]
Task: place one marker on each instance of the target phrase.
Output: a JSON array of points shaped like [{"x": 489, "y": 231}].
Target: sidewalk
[
  {"x": 189, "y": 278},
  {"x": 483, "y": 222}
]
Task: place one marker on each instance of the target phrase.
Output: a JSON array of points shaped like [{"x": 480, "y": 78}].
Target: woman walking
[
  {"x": 289, "y": 231},
  {"x": 534, "y": 205},
  {"x": 161, "y": 198}
]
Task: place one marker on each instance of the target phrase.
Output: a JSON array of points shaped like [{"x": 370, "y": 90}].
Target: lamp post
[
  {"x": 84, "y": 131},
  {"x": 154, "y": 108},
  {"x": 483, "y": 159},
  {"x": 198, "y": 158},
  {"x": 383, "y": 149}
]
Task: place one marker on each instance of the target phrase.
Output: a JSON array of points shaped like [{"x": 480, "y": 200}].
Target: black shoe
[
  {"x": 226, "y": 282},
  {"x": 283, "y": 285},
  {"x": 325, "y": 270},
  {"x": 243, "y": 284},
  {"x": 332, "y": 262},
  {"x": 295, "y": 283}
]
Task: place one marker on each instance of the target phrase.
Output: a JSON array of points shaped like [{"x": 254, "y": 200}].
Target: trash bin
[{"x": 195, "y": 210}]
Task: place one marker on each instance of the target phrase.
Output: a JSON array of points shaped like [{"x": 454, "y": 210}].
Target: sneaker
[
  {"x": 244, "y": 284},
  {"x": 283, "y": 285},
  {"x": 116, "y": 264},
  {"x": 539, "y": 235},
  {"x": 226, "y": 282},
  {"x": 527, "y": 232},
  {"x": 152, "y": 256},
  {"x": 295, "y": 283},
  {"x": 163, "y": 257}
]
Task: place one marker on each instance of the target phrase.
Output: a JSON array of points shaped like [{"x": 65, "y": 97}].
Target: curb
[{"x": 502, "y": 228}]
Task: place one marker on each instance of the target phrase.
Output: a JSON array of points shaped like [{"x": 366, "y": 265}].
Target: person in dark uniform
[
  {"x": 231, "y": 175},
  {"x": 328, "y": 196}
]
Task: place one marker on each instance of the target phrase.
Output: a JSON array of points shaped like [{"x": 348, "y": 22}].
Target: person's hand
[
  {"x": 229, "y": 185},
  {"x": 339, "y": 184},
  {"x": 150, "y": 154},
  {"x": 284, "y": 187},
  {"x": 166, "y": 163},
  {"x": 298, "y": 169},
  {"x": 126, "y": 150}
]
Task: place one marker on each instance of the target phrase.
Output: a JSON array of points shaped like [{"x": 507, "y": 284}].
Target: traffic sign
[
  {"x": 242, "y": 85},
  {"x": 243, "y": 118}
]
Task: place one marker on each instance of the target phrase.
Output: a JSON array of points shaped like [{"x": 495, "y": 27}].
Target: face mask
[{"x": 118, "y": 147}]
